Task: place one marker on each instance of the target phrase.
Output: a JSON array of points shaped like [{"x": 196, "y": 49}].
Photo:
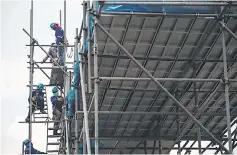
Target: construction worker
[
  {"x": 53, "y": 53},
  {"x": 37, "y": 101},
  {"x": 57, "y": 102},
  {"x": 29, "y": 145},
  {"x": 59, "y": 34}
]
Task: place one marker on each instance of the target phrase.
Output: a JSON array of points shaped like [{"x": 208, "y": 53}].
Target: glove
[{"x": 32, "y": 99}]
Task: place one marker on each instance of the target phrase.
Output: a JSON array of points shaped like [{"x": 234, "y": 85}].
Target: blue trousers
[
  {"x": 61, "y": 55},
  {"x": 39, "y": 103}
]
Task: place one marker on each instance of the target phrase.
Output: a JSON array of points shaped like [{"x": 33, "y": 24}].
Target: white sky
[{"x": 14, "y": 93}]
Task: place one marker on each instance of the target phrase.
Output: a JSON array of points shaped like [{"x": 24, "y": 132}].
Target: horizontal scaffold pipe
[
  {"x": 53, "y": 45},
  {"x": 161, "y": 79},
  {"x": 187, "y": 3},
  {"x": 160, "y": 59},
  {"x": 50, "y": 62},
  {"x": 171, "y": 15},
  {"x": 153, "y": 113},
  {"x": 151, "y": 138},
  {"x": 40, "y": 122},
  {"x": 69, "y": 68}
]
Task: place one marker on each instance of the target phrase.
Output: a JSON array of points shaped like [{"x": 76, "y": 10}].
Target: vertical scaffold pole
[
  {"x": 86, "y": 125},
  {"x": 197, "y": 106},
  {"x": 96, "y": 80},
  {"x": 31, "y": 71},
  {"x": 60, "y": 17},
  {"x": 76, "y": 92},
  {"x": 65, "y": 29},
  {"x": 227, "y": 100},
  {"x": 89, "y": 46}
]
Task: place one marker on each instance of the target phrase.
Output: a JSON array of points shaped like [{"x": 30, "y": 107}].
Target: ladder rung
[
  {"x": 54, "y": 136},
  {"x": 41, "y": 117},
  {"x": 55, "y": 143},
  {"x": 52, "y": 151},
  {"x": 39, "y": 113},
  {"x": 54, "y": 128}
]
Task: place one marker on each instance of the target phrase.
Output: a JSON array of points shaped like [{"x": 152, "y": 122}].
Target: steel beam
[
  {"x": 159, "y": 58},
  {"x": 31, "y": 72},
  {"x": 70, "y": 68},
  {"x": 167, "y": 15},
  {"x": 53, "y": 45},
  {"x": 158, "y": 84},
  {"x": 227, "y": 100},
  {"x": 96, "y": 81},
  {"x": 76, "y": 94},
  {"x": 162, "y": 79},
  {"x": 89, "y": 46},
  {"x": 151, "y": 113},
  {"x": 187, "y": 3}
]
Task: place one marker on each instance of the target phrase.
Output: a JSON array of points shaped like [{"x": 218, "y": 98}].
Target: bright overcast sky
[{"x": 15, "y": 16}]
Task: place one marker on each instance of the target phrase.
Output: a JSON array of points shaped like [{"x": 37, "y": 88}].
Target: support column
[
  {"x": 96, "y": 80},
  {"x": 83, "y": 92},
  {"x": 178, "y": 125},
  {"x": 76, "y": 94},
  {"x": 227, "y": 100},
  {"x": 159, "y": 85},
  {"x": 89, "y": 46},
  {"x": 31, "y": 71},
  {"x": 197, "y": 106}
]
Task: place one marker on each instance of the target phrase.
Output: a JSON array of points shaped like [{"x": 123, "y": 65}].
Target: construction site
[{"x": 148, "y": 77}]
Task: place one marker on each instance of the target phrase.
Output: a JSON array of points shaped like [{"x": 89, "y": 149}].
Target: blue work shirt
[
  {"x": 36, "y": 93},
  {"x": 59, "y": 34},
  {"x": 55, "y": 102}
]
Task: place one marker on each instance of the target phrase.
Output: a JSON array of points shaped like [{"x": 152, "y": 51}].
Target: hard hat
[
  {"x": 40, "y": 86},
  {"x": 52, "y": 26},
  {"x": 27, "y": 141},
  {"x": 54, "y": 90}
]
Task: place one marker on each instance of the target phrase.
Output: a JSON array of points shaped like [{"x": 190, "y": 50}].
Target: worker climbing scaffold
[
  {"x": 57, "y": 102},
  {"x": 37, "y": 101}
]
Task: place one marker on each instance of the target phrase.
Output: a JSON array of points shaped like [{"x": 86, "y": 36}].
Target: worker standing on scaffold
[
  {"x": 59, "y": 34},
  {"x": 57, "y": 102},
  {"x": 53, "y": 52},
  {"x": 37, "y": 100},
  {"x": 29, "y": 145}
]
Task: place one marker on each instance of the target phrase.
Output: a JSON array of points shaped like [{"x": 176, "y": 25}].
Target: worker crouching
[
  {"x": 37, "y": 101},
  {"x": 29, "y": 149}
]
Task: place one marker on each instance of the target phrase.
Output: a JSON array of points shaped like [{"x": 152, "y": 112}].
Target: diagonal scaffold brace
[
  {"x": 36, "y": 42},
  {"x": 159, "y": 85}
]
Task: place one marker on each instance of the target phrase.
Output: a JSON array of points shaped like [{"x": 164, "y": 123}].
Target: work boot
[{"x": 42, "y": 111}]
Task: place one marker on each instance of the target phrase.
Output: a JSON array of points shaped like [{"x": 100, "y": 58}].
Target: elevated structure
[{"x": 152, "y": 77}]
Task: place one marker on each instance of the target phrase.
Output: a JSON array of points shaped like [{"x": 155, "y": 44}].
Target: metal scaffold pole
[
  {"x": 96, "y": 80},
  {"x": 31, "y": 72},
  {"x": 76, "y": 92},
  {"x": 89, "y": 45},
  {"x": 227, "y": 100}
]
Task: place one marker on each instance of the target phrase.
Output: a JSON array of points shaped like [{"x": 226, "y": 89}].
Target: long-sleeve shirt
[
  {"x": 36, "y": 93},
  {"x": 59, "y": 34},
  {"x": 56, "y": 103},
  {"x": 52, "y": 52}
]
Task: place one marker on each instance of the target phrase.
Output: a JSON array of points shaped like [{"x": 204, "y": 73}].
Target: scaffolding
[{"x": 148, "y": 82}]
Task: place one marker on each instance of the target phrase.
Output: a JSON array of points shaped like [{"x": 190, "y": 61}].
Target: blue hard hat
[
  {"x": 40, "y": 86},
  {"x": 54, "y": 90},
  {"x": 27, "y": 141},
  {"x": 52, "y": 26}
]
